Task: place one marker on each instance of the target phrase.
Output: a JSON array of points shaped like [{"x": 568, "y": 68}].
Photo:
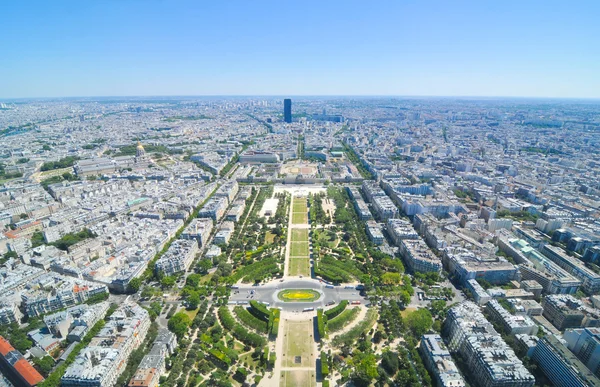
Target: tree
[
  {"x": 365, "y": 370},
  {"x": 134, "y": 285},
  {"x": 179, "y": 324},
  {"x": 419, "y": 322},
  {"x": 391, "y": 278},
  {"x": 193, "y": 280},
  {"x": 193, "y": 301},
  {"x": 44, "y": 364},
  {"x": 390, "y": 363},
  {"x": 156, "y": 307},
  {"x": 437, "y": 306},
  {"x": 204, "y": 265},
  {"x": 404, "y": 297},
  {"x": 168, "y": 281}
]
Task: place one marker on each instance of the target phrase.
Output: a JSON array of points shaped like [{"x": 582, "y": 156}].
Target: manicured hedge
[
  {"x": 222, "y": 360},
  {"x": 345, "y": 318},
  {"x": 238, "y": 331},
  {"x": 274, "y": 322},
  {"x": 259, "y": 310},
  {"x": 358, "y": 330},
  {"x": 256, "y": 270},
  {"x": 232, "y": 354},
  {"x": 250, "y": 320},
  {"x": 339, "y": 308},
  {"x": 335, "y": 270},
  {"x": 324, "y": 365},
  {"x": 320, "y": 324}
]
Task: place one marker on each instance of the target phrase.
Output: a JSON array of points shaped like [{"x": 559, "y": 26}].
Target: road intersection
[{"x": 267, "y": 293}]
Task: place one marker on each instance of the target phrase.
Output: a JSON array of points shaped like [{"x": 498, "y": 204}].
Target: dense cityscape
[{"x": 310, "y": 241}]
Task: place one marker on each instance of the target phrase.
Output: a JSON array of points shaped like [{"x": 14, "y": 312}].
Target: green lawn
[
  {"x": 269, "y": 236},
  {"x": 299, "y": 266},
  {"x": 298, "y": 378},
  {"x": 299, "y": 249},
  {"x": 300, "y": 205},
  {"x": 191, "y": 313},
  {"x": 299, "y": 235},
  {"x": 298, "y": 342},
  {"x": 298, "y": 295},
  {"x": 299, "y": 218}
]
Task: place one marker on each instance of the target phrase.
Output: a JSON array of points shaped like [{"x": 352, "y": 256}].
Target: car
[{"x": 330, "y": 303}]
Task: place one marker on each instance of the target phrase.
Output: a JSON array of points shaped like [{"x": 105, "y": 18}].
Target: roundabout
[{"x": 298, "y": 295}]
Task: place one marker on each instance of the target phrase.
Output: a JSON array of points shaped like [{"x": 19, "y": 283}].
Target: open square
[
  {"x": 298, "y": 378},
  {"x": 299, "y": 235},
  {"x": 300, "y": 205},
  {"x": 299, "y": 218},
  {"x": 299, "y": 266},
  {"x": 298, "y": 341},
  {"x": 299, "y": 249}
]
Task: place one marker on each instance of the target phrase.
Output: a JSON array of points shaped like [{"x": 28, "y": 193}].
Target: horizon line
[{"x": 298, "y": 95}]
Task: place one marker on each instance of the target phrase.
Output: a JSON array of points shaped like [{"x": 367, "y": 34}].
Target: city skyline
[{"x": 73, "y": 49}]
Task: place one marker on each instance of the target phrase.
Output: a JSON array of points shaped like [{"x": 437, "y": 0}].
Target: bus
[
  {"x": 355, "y": 303},
  {"x": 308, "y": 309}
]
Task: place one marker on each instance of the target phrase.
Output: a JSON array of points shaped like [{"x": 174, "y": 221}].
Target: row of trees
[{"x": 65, "y": 162}]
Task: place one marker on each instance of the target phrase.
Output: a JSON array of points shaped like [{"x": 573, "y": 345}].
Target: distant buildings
[
  {"x": 287, "y": 110},
  {"x": 438, "y": 361},
  {"x": 199, "y": 229},
  {"x": 105, "y": 358},
  {"x": 491, "y": 362},
  {"x": 466, "y": 265},
  {"x": 520, "y": 324},
  {"x": 374, "y": 232},
  {"x": 153, "y": 364},
  {"x": 565, "y": 311},
  {"x": 562, "y": 311},
  {"x": 418, "y": 257},
  {"x": 590, "y": 279},
  {"x": 178, "y": 257}
]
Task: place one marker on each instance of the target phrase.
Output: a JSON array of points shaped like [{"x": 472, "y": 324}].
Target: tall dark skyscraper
[{"x": 287, "y": 110}]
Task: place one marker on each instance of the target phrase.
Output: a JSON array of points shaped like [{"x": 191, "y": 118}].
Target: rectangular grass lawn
[
  {"x": 299, "y": 249},
  {"x": 298, "y": 342},
  {"x": 299, "y": 218},
  {"x": 300, "y": 205},
  {"x": 299, "y": 266},
  {"x": 299, "y": 235},
  {"x": 298, "y": 378}
]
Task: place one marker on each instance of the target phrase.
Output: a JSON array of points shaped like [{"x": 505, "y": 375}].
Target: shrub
[
  {"x": 333, "y": 312},
  {"x": 274, "y": 322},
  {"x": 320, "y": 324},
  {"x": 324, "y": 365},
  {"x": 343, "y": 319},
  {"x": 259, "y": 310},
  {"x": 250, "y": 320}
]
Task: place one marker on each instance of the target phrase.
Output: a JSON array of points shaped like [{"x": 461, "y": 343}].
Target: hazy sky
[{"x": 300, "y": 47}]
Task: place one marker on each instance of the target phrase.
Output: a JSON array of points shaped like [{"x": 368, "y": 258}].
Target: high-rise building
[
  {"x": 561, "y": 366},
  {"x": 585, "y": 344},
  {"x": 287, "y": 110}
]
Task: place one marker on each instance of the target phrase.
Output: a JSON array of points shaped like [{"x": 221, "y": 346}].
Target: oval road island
[{"x": 298, "y": 295}]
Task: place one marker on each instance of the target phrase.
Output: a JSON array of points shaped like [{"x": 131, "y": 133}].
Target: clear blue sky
[{"x": 300, "y": 47}]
